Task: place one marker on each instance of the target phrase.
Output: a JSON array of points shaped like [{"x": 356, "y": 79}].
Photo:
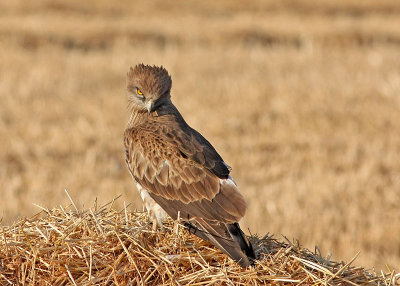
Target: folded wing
[{"x": 184, "y": 174}]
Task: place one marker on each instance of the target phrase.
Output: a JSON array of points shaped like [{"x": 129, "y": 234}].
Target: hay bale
[{"x": 65, "y": 246}]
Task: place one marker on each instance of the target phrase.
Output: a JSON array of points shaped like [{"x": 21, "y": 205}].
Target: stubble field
[{"x": 301, "y": 99}]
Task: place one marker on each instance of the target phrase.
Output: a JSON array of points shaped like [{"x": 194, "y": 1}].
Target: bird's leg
[
  {"x": 156, "y": 219},
  {"x": 156, "y": 213}
]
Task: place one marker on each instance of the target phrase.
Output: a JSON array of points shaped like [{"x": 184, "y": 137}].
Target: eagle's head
[{"x": 148, "y": 87}]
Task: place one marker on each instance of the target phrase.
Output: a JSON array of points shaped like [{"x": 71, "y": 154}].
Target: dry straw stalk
[{"x": 65, "y": 246}]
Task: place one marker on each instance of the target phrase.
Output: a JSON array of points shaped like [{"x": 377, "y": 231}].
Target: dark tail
[
  {"x": 238, "y": 235},
  {"x": 227, "y": 237}
]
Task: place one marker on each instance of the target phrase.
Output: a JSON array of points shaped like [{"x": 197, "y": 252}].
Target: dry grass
[
  {"x": 65, "y": 246},
  {"x": 301, "y": 99}
]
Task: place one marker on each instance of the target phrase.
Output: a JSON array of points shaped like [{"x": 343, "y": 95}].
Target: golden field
[{"x": 301, "y": 99}]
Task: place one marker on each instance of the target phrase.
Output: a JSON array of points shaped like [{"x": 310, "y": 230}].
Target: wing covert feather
[{"x": 182, "y": 174}]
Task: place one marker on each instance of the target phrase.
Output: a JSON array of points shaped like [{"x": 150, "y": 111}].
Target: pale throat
[{"x": 136, "y": 118}]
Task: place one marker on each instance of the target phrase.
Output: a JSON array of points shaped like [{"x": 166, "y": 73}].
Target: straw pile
[{"x": 65, "y": 246}]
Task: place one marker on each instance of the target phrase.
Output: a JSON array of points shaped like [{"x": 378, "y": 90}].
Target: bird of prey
[{"x": 177, "y": 171}]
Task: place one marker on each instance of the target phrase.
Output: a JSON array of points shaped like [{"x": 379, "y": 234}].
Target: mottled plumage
[{"x": 177, "y": 169}]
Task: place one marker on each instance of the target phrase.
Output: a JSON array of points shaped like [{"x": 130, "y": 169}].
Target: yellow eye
[{"x": 139, "y": 91}]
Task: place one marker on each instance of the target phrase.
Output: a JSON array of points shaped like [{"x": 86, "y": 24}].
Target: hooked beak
[{"x": 149, "y": 105}]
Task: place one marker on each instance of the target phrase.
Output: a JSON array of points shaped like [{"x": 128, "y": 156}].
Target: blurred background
[{"x": 301, "y": 98}]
